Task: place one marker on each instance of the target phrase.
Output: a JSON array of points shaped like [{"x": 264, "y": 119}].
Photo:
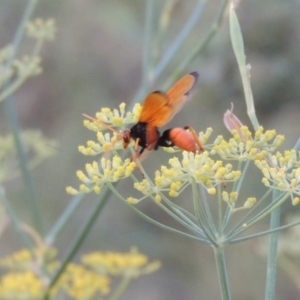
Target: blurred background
[{"x": 96, "y": 61}]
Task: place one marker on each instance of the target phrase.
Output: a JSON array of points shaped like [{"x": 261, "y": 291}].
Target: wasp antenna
[{"x": 101, "y": 123}]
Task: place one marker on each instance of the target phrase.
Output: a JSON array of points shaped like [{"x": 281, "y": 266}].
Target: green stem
[
  {"x": 15, "y": 221},
  {"x": 119, "y": 291},
  {"x": 12, "y": 116},
  {"x": 144, "y": 216},
  {"x": 33, "y": 202},
  {"x": 238, "y": 225},
  {"x": 192, "y": 21},
  {"x": 220, "y": 209},
  {"x": 274, "y": 205},
  {"x": 63, "y": 219},
  {"x": 20, "y": 31},
  {"x": 222, "y": 272},
  {"x": 236, "y": 188},
  {"x": 204, "y": 224},
  {"x": 78, "y": 241},
  {"x": 192, "y": 54},
  {"x": 181, "y": 219},
  {"x": 272, "y": 256},
  {"x": 207, "y": 210},
  {"x": 149, "y": 24}
]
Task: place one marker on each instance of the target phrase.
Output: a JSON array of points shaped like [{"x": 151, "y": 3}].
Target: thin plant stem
[
  {"x": 272, "y": 255},
  {"x": 274, "y": 205},
  {"x": 188, "y": 223},
  {"x": 144, "y": 216},
  {"x": 15, "y": 221},
  {"x": 246, "y": 216},
  {"x": 222, "y": 273},
  {"x": 182, "y": 221},
  {"x": 33, "y": 201},
  {"x": 220, "y": 209},
  {"x": 207, "y": 210},
  {"x": 263, "y": 233},
  {"x": 177, "y": 207},
  {"x": 201, "y": 218},
  {"x": 78, "y": 240},
  {"x": 181, "y": 37},
  {"x": 196, "y": 50},
  {"x": 119, "y": 291},
  {"x": 236, "y": 187},
  {"x": 63, "y": 219},
  {"x": 12, "y": 116},
  {"x": 163, "y": 22},
  {"x": 149, "y": 24}
]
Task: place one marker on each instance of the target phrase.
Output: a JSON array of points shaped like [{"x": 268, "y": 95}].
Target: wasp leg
[{"x": 195, "y": 136}]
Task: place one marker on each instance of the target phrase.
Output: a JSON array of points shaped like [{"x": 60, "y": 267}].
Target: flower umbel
[
  {"x": 132, "y": 264},
  {"x": 244, "y": 145},
  {"x": 99, "y": 174}
]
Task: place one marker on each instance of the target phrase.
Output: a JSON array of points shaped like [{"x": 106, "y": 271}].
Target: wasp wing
[{"x": 159, "y": 108}]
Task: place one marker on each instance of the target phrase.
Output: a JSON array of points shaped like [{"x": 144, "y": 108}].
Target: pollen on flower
[
  {"x": 266, "y": 182},
  {"x": 71, "y": 191},
  {"x": 92, "y": 126},
  {"x": 250, "y": 202},
  {"x": 295, "y": 201},
  {"x": 173, "y": 193},
  {"x": 117, "y": 121},
  {"x": 157, "y": 198},
  {"x": 233, "y": 196},
  {"x": 130, "y": 168},
  {"x": 220, "y": 173},
  {"x": 205, "y": 136},
  {"x": 225, "y": 196},
  {"x": 137, "y": 109},
  {"x": 84, "y": 189},
  {"x": 174, "y": 162},
  {"x": 86, "y": 151},
  {"x": 97, "y": 190},
  {"x": 211, "y": 191},
  {"x": 82, "y": 177},
  {"x": 132, "y": 200}
]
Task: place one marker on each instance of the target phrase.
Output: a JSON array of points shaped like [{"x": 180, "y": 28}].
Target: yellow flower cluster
[
  {"x": 91, "y": 280},
  {"x": 282, "y": 172},
  {"x": 132, "y": 264},
  {"x": 41, "y": 30},
  {"x": 199, "y": 167},
  {"x": 21, "y": 286},
  {"x": 244, "y": 145},
  {"x": 108, "y": 119},
  {"x": 97, "y": 175},
  {"x": 40, "y": 258},
  {"x": 28, "y": 273},
  {"x": 80, "y": 283},
  {"x": 114, "y": 118}
]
